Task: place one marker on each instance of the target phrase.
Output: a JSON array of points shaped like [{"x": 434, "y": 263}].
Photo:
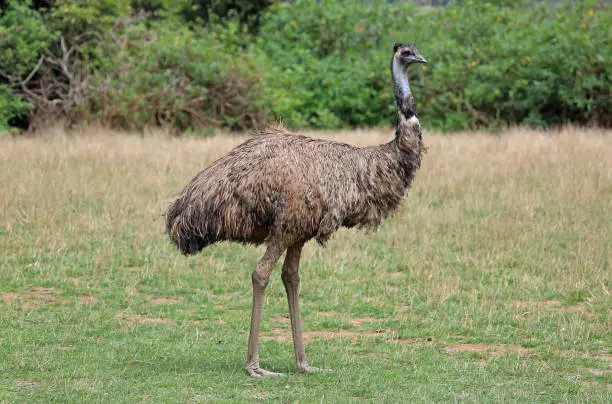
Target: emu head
[{"x": 407, "y": 54}]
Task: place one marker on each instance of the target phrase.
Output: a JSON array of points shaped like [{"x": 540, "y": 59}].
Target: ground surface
[{"x": 492, "y": 282}]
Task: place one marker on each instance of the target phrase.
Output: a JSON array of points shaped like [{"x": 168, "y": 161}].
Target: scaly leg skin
[
  {"x": 291, "y": 280},
  {"x": 260, "y": 278}
]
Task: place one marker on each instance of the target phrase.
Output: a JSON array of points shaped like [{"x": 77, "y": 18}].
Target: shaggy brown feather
[{"x": 287, "y": 188}]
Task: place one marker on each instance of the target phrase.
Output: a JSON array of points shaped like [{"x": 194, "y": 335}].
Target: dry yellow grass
[{"x": 95, "y": 182}]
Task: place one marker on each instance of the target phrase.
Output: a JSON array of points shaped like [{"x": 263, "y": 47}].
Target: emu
[{"x": 282, "y": 190}]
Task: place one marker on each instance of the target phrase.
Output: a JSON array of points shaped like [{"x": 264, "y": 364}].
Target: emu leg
[
  {"x": 291, "y": 280},
  {"x": 260, "y": 278}
]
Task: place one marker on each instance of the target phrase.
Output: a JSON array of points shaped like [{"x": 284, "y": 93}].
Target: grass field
[{"x": 491, "y": 283}]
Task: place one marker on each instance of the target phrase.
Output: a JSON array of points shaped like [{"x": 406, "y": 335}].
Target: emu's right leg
[
  {"x": 291, "y": 280},
  {"x": 260, "y": 278}
]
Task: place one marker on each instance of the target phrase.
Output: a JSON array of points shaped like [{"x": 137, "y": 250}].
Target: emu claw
[
  {"x": 258, "y": 373},
  {"x": 311, "y": 369}
]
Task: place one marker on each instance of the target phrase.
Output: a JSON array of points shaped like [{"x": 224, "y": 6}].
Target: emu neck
[
  {"x": 408, "y": 141},
  {"x": 408, "y": 129},
  {"x": 403, "y": 95}
]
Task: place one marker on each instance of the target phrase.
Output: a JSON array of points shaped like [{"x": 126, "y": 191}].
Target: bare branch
[
  {"x": 477, "y": 115},
  {"x": 85, "y": 34},
  {"x": 9, "y": 77},
  {"x": 33, "y": 72},
  {"x": 63, "y": 44}
]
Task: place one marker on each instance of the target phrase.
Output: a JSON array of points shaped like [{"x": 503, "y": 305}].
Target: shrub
[
  {"x": 326, "y": 64},
  {"x": 11, "y": 107},
  {"x": 23, "y": 38},
  {"x": 183, "y": 78},
  {"x": 533, "y": 65},
  {"x": 246, "y": 12},
  {"x": 133, "y": 63},
  {"x": 490, "y": 64},
  {"x": 125, "y": 71}
]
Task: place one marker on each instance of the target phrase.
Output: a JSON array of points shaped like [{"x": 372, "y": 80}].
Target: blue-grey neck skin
[
  {"x": 400, "y": 78},
  {"x": 403, "y": 95}
]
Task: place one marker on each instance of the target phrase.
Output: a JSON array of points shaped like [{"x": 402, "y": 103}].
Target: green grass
[{"x": 492, "y": 282}]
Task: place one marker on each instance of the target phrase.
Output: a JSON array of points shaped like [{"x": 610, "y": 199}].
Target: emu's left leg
[
  {"x": 260, "y": 278},
  {"x": 291, "y": 280}
]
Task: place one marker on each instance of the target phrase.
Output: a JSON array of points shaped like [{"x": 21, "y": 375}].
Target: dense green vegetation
[{"x": 196, "y": 64}]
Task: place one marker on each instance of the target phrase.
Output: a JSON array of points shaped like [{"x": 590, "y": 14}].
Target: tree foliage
[
  {"x": 193, "y": 64},
  {"x": 490, "y": 65},
  {"x": 247, "y": 12}
]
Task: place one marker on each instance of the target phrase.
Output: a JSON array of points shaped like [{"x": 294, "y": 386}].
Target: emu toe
[
  {"x": 258, "y": 373},
  {"x": 311, "y": 369}
]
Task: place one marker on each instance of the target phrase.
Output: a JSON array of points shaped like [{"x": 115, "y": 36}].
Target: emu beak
[{"x": 416, "y": 59}]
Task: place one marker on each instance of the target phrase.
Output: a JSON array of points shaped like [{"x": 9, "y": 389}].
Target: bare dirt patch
[
  {"x": 536, "y": 304},
  {"x": 263, "y": 395},
  {"x": 407, "y": 341},
  {"x": 601, "y": 327},
  {"x": 599, "y": 372},
  {"x": 411, "y": 341},
  {"x": 282, "y": 320},
  {"x": 327, "y": 313},
  {"x": 490, "y": 349},
  {"x": 165, "y": 299},
  {"x": 576, "y": 309},
  {"x": 27, "y": 383},
  {"x": 35, "y": 297},
  {"x": 220, "y": 322},
  {"x": 40, "y": 291},
  {"x": 284, "y": 336},
  {"x": 132, "y": 269},
  {"x": 131, "y": 321},
  {"x": 88, "y": 300},
  {"x": 601, "y": 357},
  {"x": 604, "y": 356},
  {"x": 74, "y": 281}
]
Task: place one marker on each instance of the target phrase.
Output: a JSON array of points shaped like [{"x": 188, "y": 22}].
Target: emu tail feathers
[{"x": 184, "y": 226}]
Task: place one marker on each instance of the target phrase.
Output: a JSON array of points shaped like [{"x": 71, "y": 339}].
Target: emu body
[
  {"x": 282, "y": 190},
  {"x": 280, "y": 187}
]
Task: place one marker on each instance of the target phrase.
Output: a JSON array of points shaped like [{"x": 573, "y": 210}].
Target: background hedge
[{"x": 194, "y": 65}]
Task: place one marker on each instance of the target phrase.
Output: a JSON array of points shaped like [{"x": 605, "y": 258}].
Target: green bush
[
  {"x": 11, "y": 107},
  {"x": 174, "y": 76},
  {"x": 74, "y": 17},
  {"x": 490, "y": 65},
  {"x": 535, "y": 65},
  {"x": 125, "y": 71},
  {"x": 246, "y": 12},
  {"x": 327, "y": 64},
  {"x": 23, "y": 38},
  {"x": 134, "y": 63}
]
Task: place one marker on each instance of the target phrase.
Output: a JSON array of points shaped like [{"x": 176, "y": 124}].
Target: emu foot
[
  {"x": 257, "y": 373},
  {"x": 310, "y": 369}
]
